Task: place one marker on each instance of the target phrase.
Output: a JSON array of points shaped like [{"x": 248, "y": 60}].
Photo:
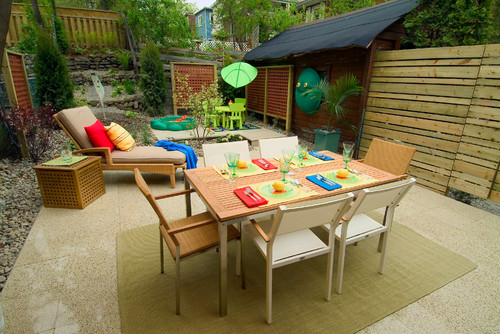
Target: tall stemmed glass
[
  {"x": 284, "y": 168},
  {"x": 301, "y": 152},
  {"x": 348, "y": 151},
  {"x": 288, "y": 154},
  {"x": 232, "y": 159}
]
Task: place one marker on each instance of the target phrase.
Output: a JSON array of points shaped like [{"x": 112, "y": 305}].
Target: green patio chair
[
  {"x": 210, "y": 115},
  {"x": 244, "y": 101},
  {"x": 237, "y": 115}
]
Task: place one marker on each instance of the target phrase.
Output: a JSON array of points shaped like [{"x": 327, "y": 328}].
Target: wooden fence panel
[
  {"x": 421, "y": 98},
  {"x": 476, "y": 166},
  {"x": 271, "y": 93},
  {"x": 85, "y": 28}
]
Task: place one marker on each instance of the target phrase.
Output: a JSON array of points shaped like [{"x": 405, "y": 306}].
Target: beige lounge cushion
[
  {"x": 148, "y": 154},
  {"x": 75, "y": 120}
]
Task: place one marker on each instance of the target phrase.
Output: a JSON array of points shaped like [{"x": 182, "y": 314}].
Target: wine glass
[
  {"x": 348, "y": 151},
  {"x": 232, "y": 159},
  {"x": 284, "y": 168},
  {"x": 288, "y": 154},
  {"x": 301, "y": 152}
]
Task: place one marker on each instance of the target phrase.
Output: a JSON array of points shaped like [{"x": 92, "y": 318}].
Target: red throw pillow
[{"x": 97, "y": 136}]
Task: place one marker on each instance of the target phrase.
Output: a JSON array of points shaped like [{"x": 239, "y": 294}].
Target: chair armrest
[
  {"x": 105, "y": 150},
  {"x": 190, "y": 226},
  {"x": 260, "y": 230},
  {"x": 177, "y": 193}
]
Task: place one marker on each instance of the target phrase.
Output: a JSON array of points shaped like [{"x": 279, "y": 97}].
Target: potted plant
[{"x": 332, "y": 98}]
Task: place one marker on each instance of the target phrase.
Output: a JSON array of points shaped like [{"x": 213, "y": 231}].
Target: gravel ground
[{"x": 20, "y": 199}]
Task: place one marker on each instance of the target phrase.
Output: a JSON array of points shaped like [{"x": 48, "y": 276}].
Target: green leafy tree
[
  {"x": 437, "y": 23},
  {"x": 153, "y": 83},
  {"x": 53, "y": 84},
  {"x": 159, "y": 21},
  {"x": 278, "y": 20},
  {"x": 243, "y": 16},
  {"x": 338, "y": 7}
]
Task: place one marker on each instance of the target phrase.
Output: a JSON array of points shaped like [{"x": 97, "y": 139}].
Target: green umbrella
[{"x": 239, "y": 74}]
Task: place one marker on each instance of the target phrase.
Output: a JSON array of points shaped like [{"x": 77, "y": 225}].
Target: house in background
[{"x": 204, "y": 23}]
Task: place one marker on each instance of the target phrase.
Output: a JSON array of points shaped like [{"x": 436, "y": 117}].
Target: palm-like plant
[{"x": 334, "y": 95}]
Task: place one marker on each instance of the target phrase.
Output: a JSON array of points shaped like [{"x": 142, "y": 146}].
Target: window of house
[
  {"x": 200, "y": 20},
  {"x": 211, "y": 18}
]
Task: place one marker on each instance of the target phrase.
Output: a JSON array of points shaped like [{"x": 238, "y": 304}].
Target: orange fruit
[
  {"x": 342, "y": 173},
  {"x": 242, "y": 164},
  {"x": 279, "y": 186}
]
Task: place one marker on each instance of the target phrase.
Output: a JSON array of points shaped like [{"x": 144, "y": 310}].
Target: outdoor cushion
[
  {"x": 120, "y": 137},
  {"x": 148, "y": 154},
  {"x": 74, "y": 120},
  {"x": 98, "y": 137}
]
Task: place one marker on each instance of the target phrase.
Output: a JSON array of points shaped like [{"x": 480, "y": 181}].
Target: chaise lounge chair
[{"x": 149, "y": 159}]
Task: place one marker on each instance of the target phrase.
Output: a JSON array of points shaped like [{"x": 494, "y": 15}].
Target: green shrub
[
  {"x": 229, "y": 137},
  {"x": 124, "y": 59},
  {"x": 129, "y": 86},
  {"x": 62, "y": 39},
  {"x": 153, "y": 81},
  {"x": 131, "y": 114},
  {"x": 53, "y": 84}
]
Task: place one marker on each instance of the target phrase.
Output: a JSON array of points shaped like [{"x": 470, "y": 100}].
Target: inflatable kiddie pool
[{"x": 173, "y": 123}]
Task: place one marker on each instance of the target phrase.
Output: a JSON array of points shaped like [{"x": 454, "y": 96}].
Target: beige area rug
[{"x": 415, "y": 267}]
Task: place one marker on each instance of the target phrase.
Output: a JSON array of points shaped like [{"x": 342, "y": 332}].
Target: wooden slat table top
[
  {"x": 219, "y": 196},
  {"x": 77, "y": 165}
]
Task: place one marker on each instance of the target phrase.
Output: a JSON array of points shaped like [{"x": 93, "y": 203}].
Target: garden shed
[{"x": 333, "y": 46}]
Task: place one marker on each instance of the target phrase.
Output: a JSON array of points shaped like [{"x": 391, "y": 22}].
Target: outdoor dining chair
[
  {"x": 240, "y": 100},
  {"x": 211, "y": 116},
  {"x": 288, "y": 239},
  {"x": 356, "y": 226},
  {"x": 390, "y": 157},
  {"x": 237, "y": 115},
  {"x": 213, "y": 154},
  {"x": 185, "y": 237},
  {"x": 271, "y": 147}
]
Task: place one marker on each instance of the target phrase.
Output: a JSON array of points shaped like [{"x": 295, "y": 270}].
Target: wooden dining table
[{"x": 227, "y": 208}]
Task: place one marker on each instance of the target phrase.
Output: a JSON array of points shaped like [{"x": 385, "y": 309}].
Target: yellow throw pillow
[{"x": 120, "y": 137}]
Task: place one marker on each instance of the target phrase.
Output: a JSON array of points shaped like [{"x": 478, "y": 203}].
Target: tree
[
  {"x": 278, "y": 20},
  {"x": 244, "y": 17},
  {"x": 159, "y": 21},
  {"x": 153, "y": 82},
  {"x": 6, "y": 6},
  {"x": 53, "y": 84},
  {"x": 437, "y": 23}
]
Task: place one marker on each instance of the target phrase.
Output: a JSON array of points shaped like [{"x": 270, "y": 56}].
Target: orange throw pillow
[{"x": 120, "y": 137}]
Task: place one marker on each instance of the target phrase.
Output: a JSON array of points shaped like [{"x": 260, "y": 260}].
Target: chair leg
[
  {"x": 269, "y": 290},
  {"x": 385, "y": 241},
  {"x": 177, "y": 280},
  {"x": 161, "y": 255},
  {"x": 329, "y": 275},
  {"x": 379, "y": 248},
  {"x": 172, "y": 180},
  {"x": 340, "y": 267}
]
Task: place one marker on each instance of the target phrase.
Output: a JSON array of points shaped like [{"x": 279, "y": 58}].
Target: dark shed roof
[{"x": 357, "y": 28}]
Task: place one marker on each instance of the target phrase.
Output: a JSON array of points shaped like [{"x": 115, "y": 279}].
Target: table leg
[
  {"x": 187, "y": 186},
  {"x": 223, "y": 269}
]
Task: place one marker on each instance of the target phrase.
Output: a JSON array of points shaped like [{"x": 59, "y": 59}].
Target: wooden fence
[
  {"x": 445, "y": 102},
  {"x": 85, "y": 28}
]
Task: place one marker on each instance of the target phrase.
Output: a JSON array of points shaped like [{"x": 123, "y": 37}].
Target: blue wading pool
[{"x": 171, "y": 123}]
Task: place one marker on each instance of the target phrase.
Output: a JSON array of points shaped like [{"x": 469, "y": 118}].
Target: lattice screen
[
  {"x": 271, "y": 92},
  {"x": 16, "y": 80},
  {"x": 198, "y": 75}
]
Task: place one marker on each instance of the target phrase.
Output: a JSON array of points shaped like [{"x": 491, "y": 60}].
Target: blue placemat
[
  {"x": 320, "y": 156},
  {"x": 322, "y": 181}
]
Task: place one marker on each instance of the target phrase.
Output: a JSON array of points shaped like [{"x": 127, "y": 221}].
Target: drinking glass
[
  {"x": 301, "y": 152},
  {"x": 232, "y": 159},
  {"x": 66, "y": 152},
  {"x": 348, "y": 151},
  {"x": 284, "y": 168},
  {"x": 288, "y": 154}
]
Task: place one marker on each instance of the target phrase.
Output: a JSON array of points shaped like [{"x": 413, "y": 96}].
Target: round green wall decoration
[{"x": 307, "y": 80}]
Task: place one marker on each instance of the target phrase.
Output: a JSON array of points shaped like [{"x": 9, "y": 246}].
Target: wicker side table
[{"x": 74, "y": 186}]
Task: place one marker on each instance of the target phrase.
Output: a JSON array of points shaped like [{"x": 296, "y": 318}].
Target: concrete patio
[{"x": 64, "y": 280}]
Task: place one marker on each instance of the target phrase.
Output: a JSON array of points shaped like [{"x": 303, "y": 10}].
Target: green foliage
[
  {"x": 334, "y": 95},
  {"x": 277, "y": 21},
  {"x": 79, "y": 51},
  {"x": 206, "y": 99},
  {"x": 221, "y": 35},
  {"x": 158, "y": 21},
  {"x": 53, "y": 84},
  {"x": 123, "y": 57},
  {"x": 449, "y": 23},
  {"x": 153, "y": 82},
  {"x": 129, "y": 86},
  {"x": 27, "y": 44},
  {"x": 131, "y": 114},
  {"x": 147, "y": 137},
  {"x": 229, "y": 137}
]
